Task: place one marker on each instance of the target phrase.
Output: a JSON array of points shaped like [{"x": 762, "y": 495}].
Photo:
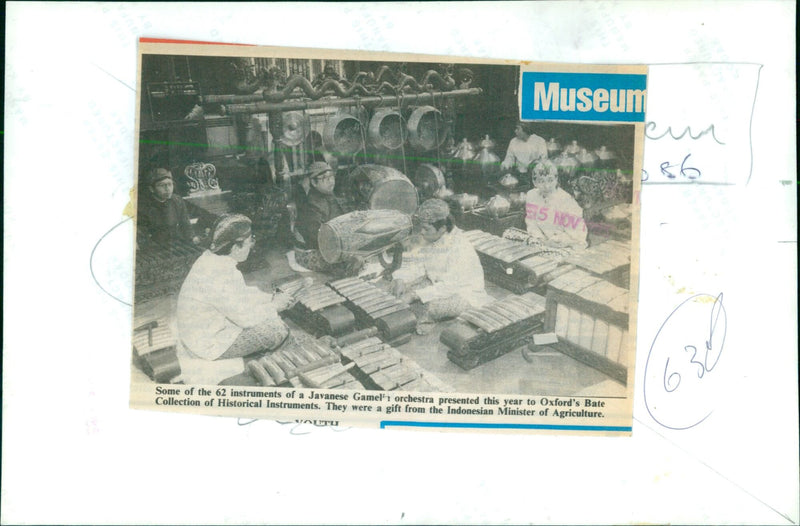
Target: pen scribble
[
  {"x": 91, "y": 261},
  {"x": 297, "y": 428},
  {"x": 687, "y": 348},
  {"x": 651, "y": 126},
  {"x": 652, "y": 132}
]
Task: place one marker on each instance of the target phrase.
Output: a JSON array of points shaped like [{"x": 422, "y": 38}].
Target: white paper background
[{"x": 74, "y": 452}]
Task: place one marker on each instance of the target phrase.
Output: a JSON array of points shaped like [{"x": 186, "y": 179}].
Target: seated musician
[
  {"x": 319, "y": 206},
  {"x": 162, "y": 216},
  {"x": 524, "y": 149},
  {"x": 552, "y": 216},
  {"x": 220, "y": 318},
  {"x": 443, "y": 271}
]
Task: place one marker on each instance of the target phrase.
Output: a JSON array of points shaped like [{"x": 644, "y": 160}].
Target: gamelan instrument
[
  {"x": 494, "y": 220},
  {"x": 373, "y": 306},
  {"x": 378, "y": 187},
  {"x": 303, "y": 362},
  {"x": 362, "y": 233},
  {"x": 378, "y": 365},
  {"x": 386, "y": 130},
  {"x": 343, "y": 135},
  {"x": 429, "y": 181},
  {"x": 498, "y": 206},
  {"x": 512, "y": 264},
  {"x": 488, "y": 161},
  {"x": 427, "y": 129},
  {"x": 610, "y": 260},
  {"x": 154, "y": 346},
  {"x": 480, "y": 335},
  {"x": 521, "y": 235},
  {"x": 590, "y": 317},
  {"x": 319, "y": 309},
  {"x": 161, "y": 269},
  {"x": 462, "y": 202}
]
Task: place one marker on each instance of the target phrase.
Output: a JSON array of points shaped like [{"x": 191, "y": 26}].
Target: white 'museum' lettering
[{"x": 553, "y": 97}]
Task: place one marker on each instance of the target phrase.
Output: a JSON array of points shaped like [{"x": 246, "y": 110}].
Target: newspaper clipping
[{"x": 386, "y": 240}]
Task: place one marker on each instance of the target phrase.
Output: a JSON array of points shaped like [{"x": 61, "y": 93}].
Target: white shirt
[
  {"x": 521, "y": 154},
  {"x": 215, "y": 306},
  {"x": 558, "y": 219},
  {"x": 451, "y": 264}
]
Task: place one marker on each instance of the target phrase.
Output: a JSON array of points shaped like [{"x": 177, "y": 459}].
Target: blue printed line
[{"x": 403, "y": 423}]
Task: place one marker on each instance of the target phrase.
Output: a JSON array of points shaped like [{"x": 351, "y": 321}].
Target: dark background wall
[{"x": 169, "y": 140}]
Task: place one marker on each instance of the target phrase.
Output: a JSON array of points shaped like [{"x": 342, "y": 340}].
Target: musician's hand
[
  {"x": 354, "y": 266},
  {"x": 307, "y": 282},
  {"x": 556, "y": 243},
  {"x": 251, "y": 358},
  {"x": 282, "y": 301},
  {"x": 328, "y": 340},
  {"x": 411, "y": 241},
  {"x": 409, "y": 297},
  {"x": 398, "y": 287}
]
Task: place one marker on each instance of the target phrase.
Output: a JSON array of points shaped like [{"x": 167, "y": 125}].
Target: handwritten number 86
[{"x": 686, "y": 171}]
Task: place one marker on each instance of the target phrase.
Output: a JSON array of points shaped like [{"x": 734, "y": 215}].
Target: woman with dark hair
[{"x": 443, "y": 272}]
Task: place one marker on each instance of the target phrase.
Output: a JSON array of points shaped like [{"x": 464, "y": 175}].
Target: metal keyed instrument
[
  {"x": 483, "y": 334},
  {"x": 375, "y": 306},
  {"x": 318, "y": 309}
]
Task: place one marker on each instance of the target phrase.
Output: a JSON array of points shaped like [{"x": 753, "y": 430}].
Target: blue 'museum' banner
[{"x": 583, "y": 96}]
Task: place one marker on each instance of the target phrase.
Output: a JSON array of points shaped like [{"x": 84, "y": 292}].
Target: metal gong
[
  {"x": 342, "y": 135},
  {"x": 386, "y": 129},
  {"x": 294, "y": 128},
  {"x": 426, "y": 128},
  {"x": 428, "y": 179}
]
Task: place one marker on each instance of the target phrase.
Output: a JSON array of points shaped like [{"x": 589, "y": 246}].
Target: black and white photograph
[{"x": 379, "y": 225}]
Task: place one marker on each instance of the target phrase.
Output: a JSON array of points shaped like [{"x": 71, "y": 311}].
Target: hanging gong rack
[{"x": 371, "y": 102}]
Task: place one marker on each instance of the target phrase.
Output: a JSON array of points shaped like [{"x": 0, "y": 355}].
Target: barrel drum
[
  {"x": 380, "y": 187},
  {"x": 362, "y": 233}
]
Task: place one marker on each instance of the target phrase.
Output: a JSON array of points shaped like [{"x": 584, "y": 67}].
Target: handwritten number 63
[
  {"x": 673, "y": 380},
  {"x": 702, "y": 369}
]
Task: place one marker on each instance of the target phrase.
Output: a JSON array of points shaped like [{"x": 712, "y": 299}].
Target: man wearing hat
[
  {"x": 523, "y": 150},
  {"x": 443, "y": 271},
  {"x": 320, "y": 206},
  {"x": 162, "y": 216},
  {"x": 220, "y": 318}
]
